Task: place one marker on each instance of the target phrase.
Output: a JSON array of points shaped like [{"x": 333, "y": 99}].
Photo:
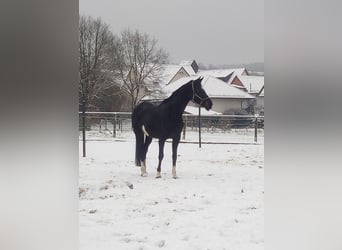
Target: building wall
[
  {"x": 260, "y": 103},
  {"x": 180, "y": 74},
  {"x": 236, "y": 81},
  {"x": 222, "y": 104}
]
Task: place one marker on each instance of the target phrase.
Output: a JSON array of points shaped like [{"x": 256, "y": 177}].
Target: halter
[{"x": 194, "y": 94}]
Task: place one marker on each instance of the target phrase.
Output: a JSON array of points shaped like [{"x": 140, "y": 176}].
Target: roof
[
  {"x": 219, "y": 89},
  {"x": 186, "y": 62},
  {"x": 214, "y": 87},
  {"x": 169, "y": 72},
  {"x": 189, "y": 70},
  {"x": 252, "y": 83},
  {"x": 262, "y": 91},
  {"x": 221, "y": 72}
]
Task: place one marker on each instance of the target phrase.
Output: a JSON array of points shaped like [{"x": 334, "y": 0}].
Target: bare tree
[
  {"x": 139, "y": 63},
  {"x": 94, "y": 41}
]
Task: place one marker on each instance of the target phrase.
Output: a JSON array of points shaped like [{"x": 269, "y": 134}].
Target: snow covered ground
[{"x": 217, "y": 202}]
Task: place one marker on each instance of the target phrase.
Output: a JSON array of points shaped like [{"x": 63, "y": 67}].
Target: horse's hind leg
[
  {"x": 161, "y": 156},
  {"x": 175, "y": 142},
  {"x": 139, "y": 147},
  {"x": 147, "y": 143}
]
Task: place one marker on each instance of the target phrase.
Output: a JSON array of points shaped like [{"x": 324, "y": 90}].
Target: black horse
[{"x": 164, "y": 121}]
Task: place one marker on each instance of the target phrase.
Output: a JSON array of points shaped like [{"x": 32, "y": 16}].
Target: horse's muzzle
[{"x": 207, "y": 104}]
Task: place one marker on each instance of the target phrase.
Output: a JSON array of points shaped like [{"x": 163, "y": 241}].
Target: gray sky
[{"x": 210, "y": 31}]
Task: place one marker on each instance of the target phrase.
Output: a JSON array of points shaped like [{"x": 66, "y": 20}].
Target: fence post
[
  {"x": 120, "y": 122},
  {"x": 114, "y": 126},
  {"x": 199, "y": 126},
  {"x": 256, "y": 128},
  {"x": 83, "y": 127}
]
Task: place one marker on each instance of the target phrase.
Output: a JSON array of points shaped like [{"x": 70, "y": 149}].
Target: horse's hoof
[
  {"x": 175, "y": 177},
  {"x": 158, "y": 176},
  {"x": 144, "y": 175}
]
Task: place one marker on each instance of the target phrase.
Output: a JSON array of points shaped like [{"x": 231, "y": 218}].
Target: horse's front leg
[
  {"x": 175, "y": 142},
  {"x": 161, "y": 156}
]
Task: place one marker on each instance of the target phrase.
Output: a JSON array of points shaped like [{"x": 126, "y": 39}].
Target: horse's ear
[{"x": 199, "y": 79}]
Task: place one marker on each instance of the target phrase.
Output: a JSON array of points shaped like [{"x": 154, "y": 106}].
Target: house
[
  {"x": 230, "y": 89},
  {"x": 225, "y": 97},
  {"x": 254, "y": 85},
  {"x": 240, "y": 79}
]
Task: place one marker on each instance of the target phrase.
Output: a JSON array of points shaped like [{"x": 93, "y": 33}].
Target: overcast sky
[{"x": 210, "y": 31}]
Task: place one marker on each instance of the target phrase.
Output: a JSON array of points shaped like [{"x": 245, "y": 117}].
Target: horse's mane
[{"x": 176, "y": 93}]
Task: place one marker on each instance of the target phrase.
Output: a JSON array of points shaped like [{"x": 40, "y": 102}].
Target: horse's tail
[
  {"x": 139, "y": 136},
  {"x": 139, "y": 145},
  {"x": 139, "y": 115}
]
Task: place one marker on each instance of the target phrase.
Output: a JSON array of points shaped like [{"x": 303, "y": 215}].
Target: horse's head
[{"x": 199, "y": 96}]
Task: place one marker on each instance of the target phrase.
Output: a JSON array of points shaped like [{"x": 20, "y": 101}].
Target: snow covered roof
[
  {"x": 252, "y": 83},
  {"x": 186, "y": 62},
  {"x": 177, "y": 84},
  {"x": 221, "y": 72},
  {"x": 214, "y": 87},
  {"x": 190, "y": 66},
  {"x": 262, "y": 92},
  {"x": 238, "y": 86},
  {"x": 240, "y": 71},
  {"x": 170, "y": 70},
  {"x": 189, "y": 70},
  {"x": 219, "y": 89}
]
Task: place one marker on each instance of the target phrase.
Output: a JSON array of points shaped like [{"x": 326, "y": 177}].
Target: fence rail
[
  {"x": 206, "y": 129},
  {"x": 118, "y": 124}
]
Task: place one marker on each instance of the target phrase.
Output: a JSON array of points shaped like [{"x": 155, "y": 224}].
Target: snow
[
  {"x": 169, "y": 71},
  {"x": 189, "y": 70},
  {"x": 252, "y": 83},
  {"x": 186, "y": 62},
  {"x": 221, "y": 72},
  {"x": 177, "y": 84},
  {"x": 215, "y": 88},
  {"x": 217, "y": 202},
  {"x": 194, "y": 111}
]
